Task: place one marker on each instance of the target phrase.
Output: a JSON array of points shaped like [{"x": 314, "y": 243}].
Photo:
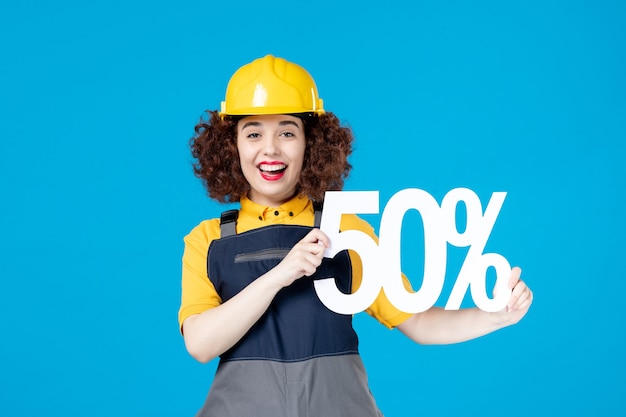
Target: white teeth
[{"x": 272, "y": 168}]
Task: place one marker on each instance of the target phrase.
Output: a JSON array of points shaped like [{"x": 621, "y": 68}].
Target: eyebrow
[
  {"x": 281, "y": 123},
  {"x": 250, "y": 124},
  {"x": 288, "y": 122}
]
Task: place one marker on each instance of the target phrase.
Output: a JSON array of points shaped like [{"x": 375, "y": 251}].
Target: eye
[
  {"x": 288, "y": 134},
  {"x": 253, "y": 135}
]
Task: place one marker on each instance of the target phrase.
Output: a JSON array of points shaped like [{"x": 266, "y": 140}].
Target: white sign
[{"x": 381, "y": 263}]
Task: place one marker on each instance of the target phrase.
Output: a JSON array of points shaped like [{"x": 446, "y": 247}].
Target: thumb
[
  {"x": 516, "y": 273},
  {"x": 514, "y": 278}
]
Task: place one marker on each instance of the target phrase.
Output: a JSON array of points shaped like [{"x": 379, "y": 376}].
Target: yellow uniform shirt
[{"x": 198, "y": 293}]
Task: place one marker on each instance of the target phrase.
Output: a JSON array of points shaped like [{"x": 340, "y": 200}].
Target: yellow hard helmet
[{"x": 271, "y": 85}]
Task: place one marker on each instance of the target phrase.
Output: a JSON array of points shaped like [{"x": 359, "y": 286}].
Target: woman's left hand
[{"x": 521, "y": 298}]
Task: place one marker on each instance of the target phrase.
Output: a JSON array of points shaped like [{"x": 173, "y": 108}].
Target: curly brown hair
[{"x": 325, "y": 166}]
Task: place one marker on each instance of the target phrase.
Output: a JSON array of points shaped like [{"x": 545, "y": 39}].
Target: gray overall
[{"x": 300, "y": 359}]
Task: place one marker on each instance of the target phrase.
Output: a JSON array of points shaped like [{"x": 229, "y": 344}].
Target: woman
[{"x": 248, "y": 293}]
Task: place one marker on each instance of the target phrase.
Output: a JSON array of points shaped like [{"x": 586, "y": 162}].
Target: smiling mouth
[
  {"x": 272, "y": 168},
  {"x": 272, "y": 171}
]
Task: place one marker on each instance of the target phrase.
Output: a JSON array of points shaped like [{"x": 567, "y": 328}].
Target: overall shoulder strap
[
  {"x": 317, "y": 207},
  {"x": 228, "y": 221}
]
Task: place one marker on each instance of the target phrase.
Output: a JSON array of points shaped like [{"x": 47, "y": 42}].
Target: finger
[
  {"x": 310, "y": 263},
  {"x": 520, "y": 306},
  {"x": 524, "y": 300},
  {"x": 516, "y": 273},
  {"x": 523, "y": 297},
  {"x": 512, "y": 302},
  {"x": 313, "y": 248},
  {"x": 517, "y": 290},
  {"x": 317, "y": 236},
  {"x": 520, "y": 288},
  {"x": 313, "y": 259},
  {"x": 529, "y": 300},
  {"x": 524, "y": 305},
  {"x": 514, "y": 278}
]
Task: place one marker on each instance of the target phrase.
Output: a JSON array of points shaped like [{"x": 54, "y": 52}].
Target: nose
[{"x": 270, "y": 146}]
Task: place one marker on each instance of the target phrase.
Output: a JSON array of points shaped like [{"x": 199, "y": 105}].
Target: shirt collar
[{"x": 291, "y": 208}]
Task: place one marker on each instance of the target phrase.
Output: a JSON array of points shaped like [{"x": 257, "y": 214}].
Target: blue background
[{"x": 98, "y": 101}]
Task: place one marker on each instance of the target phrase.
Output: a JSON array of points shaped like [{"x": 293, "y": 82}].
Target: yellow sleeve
[
  {"x": 198, "y": 293},
  {"x": 382, "y": 309}
]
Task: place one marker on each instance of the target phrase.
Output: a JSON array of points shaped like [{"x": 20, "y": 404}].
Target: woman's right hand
[{"x": 303, "y": 259}]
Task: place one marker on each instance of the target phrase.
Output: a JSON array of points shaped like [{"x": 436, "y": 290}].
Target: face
[{"x": 271, "y": 153}]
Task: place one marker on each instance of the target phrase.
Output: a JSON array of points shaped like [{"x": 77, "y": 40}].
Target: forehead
[{"x": 269, "y": 120}]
